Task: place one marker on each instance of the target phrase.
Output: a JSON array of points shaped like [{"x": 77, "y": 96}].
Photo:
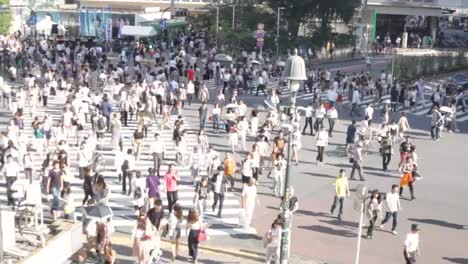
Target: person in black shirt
[
  {"x": 405, "y": 148},
  {"x": 156, "y": 214},
  {"x": 350, "y": 135}
]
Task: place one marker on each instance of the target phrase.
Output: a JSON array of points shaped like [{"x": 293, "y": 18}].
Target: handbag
[{"x": 201, "y": 235}]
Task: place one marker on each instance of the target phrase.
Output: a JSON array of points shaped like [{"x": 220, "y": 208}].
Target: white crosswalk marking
[{"x": 122, "y": 205}]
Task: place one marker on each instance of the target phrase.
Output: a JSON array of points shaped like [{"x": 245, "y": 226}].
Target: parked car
[{"x": 457, "y": 82}]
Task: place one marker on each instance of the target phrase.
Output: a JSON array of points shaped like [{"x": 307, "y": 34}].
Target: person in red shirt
[
  {"x": 191, "y": 74},
  {"x": 171, "y": 178}
]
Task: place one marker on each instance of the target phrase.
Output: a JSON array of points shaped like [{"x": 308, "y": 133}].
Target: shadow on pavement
[
  {"x": 341, "y": 223},
  {"x": 328, "y": 230},
  {"x": 439, "y": 223},
  {"x": 456, "y": 260},
  {"x": 319, "y": 175}
]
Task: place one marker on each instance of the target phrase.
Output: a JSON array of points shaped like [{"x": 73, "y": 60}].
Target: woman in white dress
[
  {"x": 233, "y": 137},
  {"x": 182, "y": 148},
  {"x": 254, "y": 123},
  {"x": 116, "y": 126},
  {"x": 248, "y": 201},
  {"x": 296, "y": 143},
  {"x": 202, "y": 141}
]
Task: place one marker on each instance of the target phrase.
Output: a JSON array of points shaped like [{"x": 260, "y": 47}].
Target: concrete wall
[{"x": 61, "y": 247}]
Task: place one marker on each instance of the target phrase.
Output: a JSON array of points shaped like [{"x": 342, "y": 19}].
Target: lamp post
[
  {"x": 278, "y": 31},
  {"x": 233, "y": 16},
  {"x": 217, "y": 25},
  {"x": 295, "y": 73}
]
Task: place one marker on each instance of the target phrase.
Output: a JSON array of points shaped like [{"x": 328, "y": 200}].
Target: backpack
[{"x": 100, "y": 124}]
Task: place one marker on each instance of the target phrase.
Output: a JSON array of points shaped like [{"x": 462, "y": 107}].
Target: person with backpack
[{"x": 100, "y": 128}]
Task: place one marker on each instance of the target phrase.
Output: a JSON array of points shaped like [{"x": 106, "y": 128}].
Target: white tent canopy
[{"x": 140, "y": 31}]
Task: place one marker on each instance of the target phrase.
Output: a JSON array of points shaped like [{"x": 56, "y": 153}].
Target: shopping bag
[{"x": 201, "y": 235}]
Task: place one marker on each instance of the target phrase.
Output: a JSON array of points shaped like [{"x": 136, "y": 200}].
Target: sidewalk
[{"x": 208, "y": 253}]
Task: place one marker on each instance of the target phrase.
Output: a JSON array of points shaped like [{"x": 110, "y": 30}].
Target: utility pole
[
  {"x": 217, "y": 25},
  {"x": 172, "y": 9},
  {"x": 233, "y": 16},
  {"x": 278, "y": 31},
  {"x": 284, "y": 254}
]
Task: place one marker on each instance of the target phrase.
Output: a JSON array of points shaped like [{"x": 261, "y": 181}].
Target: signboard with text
[{"x": 260, "y": 35}]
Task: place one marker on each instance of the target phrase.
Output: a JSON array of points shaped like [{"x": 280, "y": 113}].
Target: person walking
[
  {"x": 175, "y": 227},
  {"x": 170, "y": 179},
  {"x": 341, "y": 192},
  {"x": 152, "y": 186},
  {"x": 202, "y": 191},
  {"x": 373, "y": 211},
  {"x": 128, "y": 167},
  {"x": 202, "y": 115},
  {"x": 11, "y": 171},
  {"x": 219, "y": 183},
  {"x": 436, "y": 121},
  {"x": 411, "y": 245},
  {"x": 141, "y": 236},
  {"x": 319, "y": 116},
  {"x": 54, "y": 185},
  {"x": 407, "y": 179},
  {"x": 356, "y": 102},
  {"x": 279, "y": 170},
  {"x": 272, "y": 241},
  {"x": 322, "y": 142},
  {"x": 332, "y": 116},
  {"x": 357, "y": 161},
  {"x": 403, "y": 125},
  {"x": 194, "y": 227},
  {"x": 229, "y": 169},
  {"x": 248, "y": 201},
  {"x": 392, "y": 202},
  {"x": 386, "y": 150},
  {"x": 157, "y": 151},
  {"x": 309, "y": 119}
]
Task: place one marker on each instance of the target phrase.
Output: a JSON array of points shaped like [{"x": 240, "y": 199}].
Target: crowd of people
[{"x": 105, "y": 89}]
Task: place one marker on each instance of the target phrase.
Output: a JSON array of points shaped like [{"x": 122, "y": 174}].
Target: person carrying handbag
[
  {"x": 272, "y": 241},
  {"x": 196, "y": 233}
]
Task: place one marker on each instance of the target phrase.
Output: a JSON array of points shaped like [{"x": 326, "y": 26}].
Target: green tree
[
  {"x": 297, "y": 12},
  {"x": 5, "y": 18}
]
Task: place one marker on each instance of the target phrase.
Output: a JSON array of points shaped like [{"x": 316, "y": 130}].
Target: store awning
[{"x": 140, "y": 31}]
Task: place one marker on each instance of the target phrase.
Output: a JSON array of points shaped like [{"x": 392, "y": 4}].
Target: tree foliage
[
  {"x": 5, "y": 18},
  {"x": 300, "y": 11}
]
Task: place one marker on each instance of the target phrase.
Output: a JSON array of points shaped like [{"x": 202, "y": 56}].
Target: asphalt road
[{"x": 440, "y": 208}]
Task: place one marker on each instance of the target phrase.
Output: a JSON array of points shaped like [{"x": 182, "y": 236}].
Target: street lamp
[
  {"x": 278, "y": 31},
  {"x": 233, "y": 16},
  {"x": 294, "y": 72}
]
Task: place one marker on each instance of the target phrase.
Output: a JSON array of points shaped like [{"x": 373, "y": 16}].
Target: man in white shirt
[
  {"x": 356, "y": 101},
  {"x": 332, "y": 95},
  {"x": 309, "y": 119},
  {"x": 392, "y": 202},
  {"x": 412, "y": 245},
  {"x": 369, "y": 112},
  {"x": 10, "y": 171},
  {"x": 157, "y": 150},
  {"x": 332, "y": 115},
  {"x": 319, "y": 115},
  {"x": 242, "y": 108}
]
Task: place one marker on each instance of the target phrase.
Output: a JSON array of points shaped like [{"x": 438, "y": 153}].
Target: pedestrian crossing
[
  {"x": 122, "y": 205},
  {"x": 302, "y": 98}
]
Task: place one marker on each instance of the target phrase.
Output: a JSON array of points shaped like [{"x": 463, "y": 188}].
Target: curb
[{"x": 208, "y": 250}]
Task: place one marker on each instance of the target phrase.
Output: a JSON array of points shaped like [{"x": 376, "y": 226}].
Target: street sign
[
  {"x": 260, "y": 36},
  {"x": 163, "y": 24},
  {"x": 32, "y": 20}
]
